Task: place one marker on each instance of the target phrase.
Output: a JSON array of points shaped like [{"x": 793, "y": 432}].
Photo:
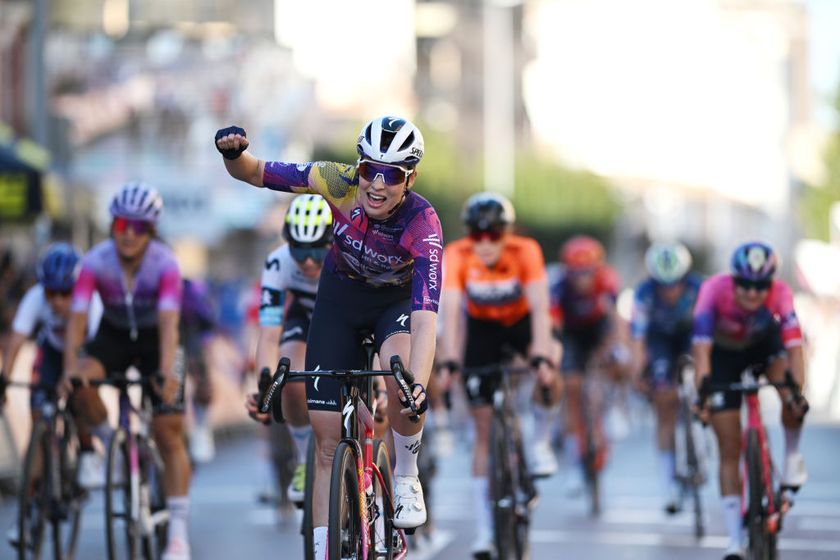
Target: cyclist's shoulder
[
  {"x": 522, "y": 243},
  {"x": 277, "y": 258},
  {"x": 339, "y": 178},
  {"x": 607, "y": 279},
  {"x": 719, "y": 281},
  {"x": 645, "y": 289}
]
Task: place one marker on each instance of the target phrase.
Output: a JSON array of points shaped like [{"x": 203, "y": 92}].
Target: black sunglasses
[
  {"x": 317, "y": 254},
  {"x": 757, "y": 285}
]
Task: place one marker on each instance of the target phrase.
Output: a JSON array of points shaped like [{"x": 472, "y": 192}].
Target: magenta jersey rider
[
  {"x": 157, "y": 286},
  {"x": 404, "y": 249},
  {"x": 719, "y": 319}
]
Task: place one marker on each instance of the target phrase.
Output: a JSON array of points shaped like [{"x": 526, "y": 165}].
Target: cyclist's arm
[
  {"x": 538, "y": 301},
  {"x": 268, "y": 348},
  {"x": 638, "y": 353},
  {"x": 422, "y": 357},
  {"x": 796, "y": 362},
  {"x": 23, "y": 325},
  {"x": 168, "y": 332},
  {"x": 75, "y": 335},
  {"x": 10, "y": 353},
  {"x": 453, "y": 325},
  {"x": 701, "y": 352}
]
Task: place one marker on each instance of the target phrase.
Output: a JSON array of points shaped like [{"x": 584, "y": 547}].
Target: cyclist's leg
[
  {"x": 572, "y": 368},
  {"x": 661, "y": 370},
  {"x": 726, "y": 422},
  {"x": 483, "y": 348},
  {"x": 202, "y": 445}
]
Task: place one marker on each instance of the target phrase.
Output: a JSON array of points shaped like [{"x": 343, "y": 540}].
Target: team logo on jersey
[
  {"x": 433, "y": 240},
  {"x": 356, "y": 213},
  {"x": 402, "y": 319}
]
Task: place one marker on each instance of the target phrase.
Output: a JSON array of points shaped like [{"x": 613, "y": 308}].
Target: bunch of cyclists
[{"x": 364, "y": 256}]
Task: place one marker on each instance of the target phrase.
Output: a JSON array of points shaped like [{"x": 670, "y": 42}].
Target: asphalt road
[{"x": 227, "y": 522}]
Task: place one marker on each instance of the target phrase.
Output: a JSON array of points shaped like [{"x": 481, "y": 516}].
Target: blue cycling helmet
[
  {"x": 754, "y": 261},
  {"x": 59, "y": 267}
]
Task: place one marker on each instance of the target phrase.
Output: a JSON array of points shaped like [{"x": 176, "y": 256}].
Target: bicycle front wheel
[
  {"x": 122, "y": 527},
  {"x": 501, "y": 489},
  {"x": 382, "y": 510},
  {"x": 762, "y": 542},
  {"x": 692, "y": 479},
  {"x": 66, "y": 532},
  {"x": 154, "y": 515},
  {"x": 33, "y": 497},
  {"x": 525, "y": 494},
  {"x": 344, "y": 529},
  {"x": 306, "y": 527}
]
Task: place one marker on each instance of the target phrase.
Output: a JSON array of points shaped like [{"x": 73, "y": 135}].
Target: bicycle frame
[{"x": 754, "y": 424}]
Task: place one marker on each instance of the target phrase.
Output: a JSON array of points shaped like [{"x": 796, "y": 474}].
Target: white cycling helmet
[
  {"x": 137, "y": 201},
  {"x": 309, "y": 221},
  {"x": 391, "y": 140},
  {"x": 668, "y": 263}
]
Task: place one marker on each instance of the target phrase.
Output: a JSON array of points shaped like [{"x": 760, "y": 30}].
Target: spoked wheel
[
  {"x": 66, "y": 532},
  {"x": 306, "y": 527},
  {"x": 762, "y": 541},
  {"x": 34, "y": 496},
  {"x": 692, "y": 481},
  {"x": 154, "y": 515},
  {"x": 344, "y": 529},
  {"x": 382, "y": 533},
  {"x": 502, "y": 495},
  {"x": 122, "y": 525},
  {"x": 526, "y": 496}
]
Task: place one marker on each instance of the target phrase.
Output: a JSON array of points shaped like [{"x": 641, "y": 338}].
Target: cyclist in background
[
  {"x": 45, "y": 308},
  {"x": 660, "y": 325},
  {"x": 500, "y": 279},
  {"x": 583, "y": 304},
  {"x": 382, "y": 274},
  {"x": 741, "y": 319},
  {"x": 140, "y": 284},
  {"x": 289, "y": 286},
  {"x": 196, "y": 327}
]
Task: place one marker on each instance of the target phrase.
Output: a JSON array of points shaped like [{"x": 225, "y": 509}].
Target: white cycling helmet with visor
[
  {"x": 667, "y": 263},
  {"x": 392, "y": 141},
  {"x": 137, "y": 201}
]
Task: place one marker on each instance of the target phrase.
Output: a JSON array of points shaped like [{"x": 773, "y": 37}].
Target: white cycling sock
[
  {"x": 300, "y": 434},
  {"x": 179, "y": 509},
  {"x": 481, "y": 504},
  {"x": 320, "y": 542},
  {"x": 544, "y": 421},
  {"x": 570, "y": 450},
  {"x": 792, "y": 440},
  {"x": 667, "y": 462},
  {"x": 406, "y": 449},
  {"x": 200, "y": 414},
  {"x": 732, "y": 518},
  {"x": 103, "y": 432}
]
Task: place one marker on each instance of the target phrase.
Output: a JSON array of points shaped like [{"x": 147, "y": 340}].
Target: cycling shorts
[
  {"x": 116, "y": 351},
  {"x": 491, "y": 343},
  {"x": 296, "y": 321},
  {"x": 579, "y": 344},
  {"x": 47, "y": 370},
  {"x": 728, "y": 364},
  {"x": 663, "y": 351},
  {"x": 345, "y": 312}
]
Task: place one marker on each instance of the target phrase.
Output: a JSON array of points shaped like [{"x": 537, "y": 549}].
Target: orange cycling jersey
[{"x": 494, "y": 293}]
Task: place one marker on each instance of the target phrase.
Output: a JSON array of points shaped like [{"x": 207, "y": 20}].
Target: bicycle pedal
[
  {"x": 788, "y": 488},
  {"x": 410, "y": 530},
  {"x": 298, "y": 505}
]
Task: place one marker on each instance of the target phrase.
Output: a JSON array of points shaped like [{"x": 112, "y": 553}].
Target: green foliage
[
  {"x": 816, "y": 200},
  {"x": 552, "y": 201}
]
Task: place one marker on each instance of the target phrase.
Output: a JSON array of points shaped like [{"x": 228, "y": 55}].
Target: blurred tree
[
  {"x": 816, "y": 200},
  {"x": 552, "y": 202}
]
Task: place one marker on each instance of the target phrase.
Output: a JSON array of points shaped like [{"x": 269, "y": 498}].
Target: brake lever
[
  {"x": 269, "y": 402},
  {"x": 405, "y": 379}
]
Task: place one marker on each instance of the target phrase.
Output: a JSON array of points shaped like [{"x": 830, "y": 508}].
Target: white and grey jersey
[
  {"x": 281, "y": 273},
  {"x": 34, "y": 311}
]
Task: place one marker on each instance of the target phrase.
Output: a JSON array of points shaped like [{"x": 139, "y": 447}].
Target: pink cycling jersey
[
  {"x": 157, "y": 286},
  {"x": 719, "y": 319},
  {"x": 404, "y": 249}
]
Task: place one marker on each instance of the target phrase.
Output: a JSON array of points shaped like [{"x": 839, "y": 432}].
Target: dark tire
[
  {"x": 72, "y": 494},
  {"x": 306, "y": 525},
  {"x": 502, "y": 496},
  {"x": 33, "y": 497},
  {"x": 591, "y": 476},
  {"x": 152, "y": 481},
  {"x": 525, "y": 489},
  {"x": 122, "y": 533},
  {"x": 762, "y": 543},
  {"x": 692, "y": 482},
  {"x": 344, "y": 528},
  {"x": 382, "y": 518}
]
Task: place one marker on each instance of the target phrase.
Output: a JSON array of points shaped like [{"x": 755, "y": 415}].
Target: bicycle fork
[{"x": 772, "y": 513}]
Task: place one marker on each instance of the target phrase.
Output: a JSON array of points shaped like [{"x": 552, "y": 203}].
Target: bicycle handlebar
[
  {"x": 751, "y": 386},
  {"x": 270, "y": 388}
]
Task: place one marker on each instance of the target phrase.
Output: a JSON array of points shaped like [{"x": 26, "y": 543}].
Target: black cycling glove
[
  {"x": 230, "y": 153},
  {"x": 422, "y": 407}
]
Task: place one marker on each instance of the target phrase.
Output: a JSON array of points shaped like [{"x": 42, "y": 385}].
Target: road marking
[{"x": 659, "y": 540}]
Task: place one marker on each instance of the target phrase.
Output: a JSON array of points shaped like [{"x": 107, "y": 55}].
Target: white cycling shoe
[
  {"x": 544, "y": 462},
  {"x": 795, "y": 473},
  {"x": 483, "y": 546},
  {"x": 176, "y": 549},
  {"x": 202, "y": 444},
  {"x": 734, "y": 552},
  {"x": 409, "y": 506}
]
